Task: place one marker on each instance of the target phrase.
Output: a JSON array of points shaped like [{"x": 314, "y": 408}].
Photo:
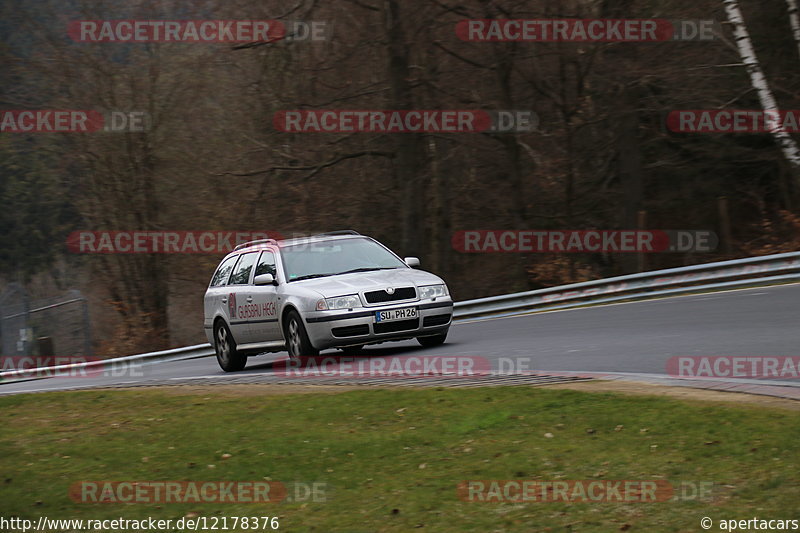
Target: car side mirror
[
  {"x": 413, "y": 262},
  {"x": 265, "y": 279}
]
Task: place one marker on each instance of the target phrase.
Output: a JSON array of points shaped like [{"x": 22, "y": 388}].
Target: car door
[
  {"x": 239, "y": 300},
  {"x": 263, "y": 299},
  {"x": 215, "y": 302}
]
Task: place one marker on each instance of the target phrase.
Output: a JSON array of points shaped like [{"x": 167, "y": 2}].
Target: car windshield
[{"x": 328, "y": 258}]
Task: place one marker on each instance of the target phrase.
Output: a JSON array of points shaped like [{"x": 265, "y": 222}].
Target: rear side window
[
  {"x": 221, "y": 275},
  {"x": 266, "y": 264},
  {"x": 241, "y": 274}
]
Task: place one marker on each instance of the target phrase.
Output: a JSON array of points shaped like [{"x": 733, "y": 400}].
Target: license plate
[{"x": 396, "y": 314}]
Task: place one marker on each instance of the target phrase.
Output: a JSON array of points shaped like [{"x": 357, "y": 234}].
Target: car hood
[{"x": 356, "y": 282}]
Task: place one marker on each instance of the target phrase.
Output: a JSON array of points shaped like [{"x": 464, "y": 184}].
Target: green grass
[{"x": 392, "y": 458}]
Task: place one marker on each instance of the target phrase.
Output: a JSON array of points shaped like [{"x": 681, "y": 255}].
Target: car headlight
[
  {"x": 341, "y": 302},
  {"x": 432, "y": 291}
]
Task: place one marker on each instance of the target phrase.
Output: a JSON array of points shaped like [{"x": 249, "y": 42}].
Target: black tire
[
  {"x": 297, "y": 343},
  {"x": 433, "y": 340},
  {"x": 229, "y": 358}
]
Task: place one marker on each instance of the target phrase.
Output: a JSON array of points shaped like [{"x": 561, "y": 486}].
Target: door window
[
  {"x": 223, "y": 272},
  {"x": 241, "y": 274},
  {"x": 266, "y": 264}
]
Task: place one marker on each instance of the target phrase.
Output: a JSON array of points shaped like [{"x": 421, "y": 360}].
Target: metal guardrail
[
  {"x": 724, "y": 275},
  {"x": 737, "y": 273},
  {"x": 175, "y": 354}
]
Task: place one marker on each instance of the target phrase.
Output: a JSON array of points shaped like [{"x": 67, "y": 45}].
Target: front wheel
[
  {"x": 228, "y": 357},
  {"x": 433, "y": 340},
  {"x": 297, "y": 343}
]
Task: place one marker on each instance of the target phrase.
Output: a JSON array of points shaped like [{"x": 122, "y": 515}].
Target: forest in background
[{"x": 213, "y": 160}]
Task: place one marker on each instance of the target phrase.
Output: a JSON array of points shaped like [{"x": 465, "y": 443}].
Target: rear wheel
[
  {"x": 297, "y": 343},
  {"x": 433, "y": 340},
  {"x": 228, "y": 357}
]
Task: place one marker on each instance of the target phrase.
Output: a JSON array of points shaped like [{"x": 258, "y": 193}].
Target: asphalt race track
[{"x": 637, "y": 337}]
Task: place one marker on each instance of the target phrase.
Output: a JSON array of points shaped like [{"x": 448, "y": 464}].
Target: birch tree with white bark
[
  {"x": 759, "y": 82},
  {"x": 794, "y": 21}
]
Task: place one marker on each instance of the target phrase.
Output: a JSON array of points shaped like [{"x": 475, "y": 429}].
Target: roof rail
[
  {"x": 251, "y": 243},
  {"x": 339, "y": 232}
]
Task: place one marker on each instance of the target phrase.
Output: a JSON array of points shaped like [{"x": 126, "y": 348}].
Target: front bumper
[{"x": 330, "y": 329}]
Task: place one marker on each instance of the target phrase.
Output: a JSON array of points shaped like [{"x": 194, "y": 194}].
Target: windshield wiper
[
  {"x": 310, "y": 276},
  {"x": 366, "y": 269}
]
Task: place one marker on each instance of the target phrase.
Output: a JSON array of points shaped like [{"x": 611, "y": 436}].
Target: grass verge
[{"x": 391, "y": 459}]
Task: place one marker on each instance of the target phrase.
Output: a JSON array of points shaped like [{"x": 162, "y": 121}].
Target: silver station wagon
[{"x": 334, "y": 290}]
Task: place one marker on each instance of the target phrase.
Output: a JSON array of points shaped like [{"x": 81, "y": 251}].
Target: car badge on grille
[{"x": 389, "y": 290}]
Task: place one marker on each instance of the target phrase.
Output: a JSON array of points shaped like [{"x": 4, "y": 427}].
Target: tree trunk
[
  {"x": 630, "y": 173},
  {"x": 409, "y": 148},
  {"x": 759, "y": 83},
  {"x": 794, "y": 21}
]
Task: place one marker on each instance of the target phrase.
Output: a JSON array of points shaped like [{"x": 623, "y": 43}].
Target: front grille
[
  {"x": 403, "y": 293},
  {"x": 351, "y": 331},
  {"x": 435, "y": 320},
  {"x": 400, "y": 325}
]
